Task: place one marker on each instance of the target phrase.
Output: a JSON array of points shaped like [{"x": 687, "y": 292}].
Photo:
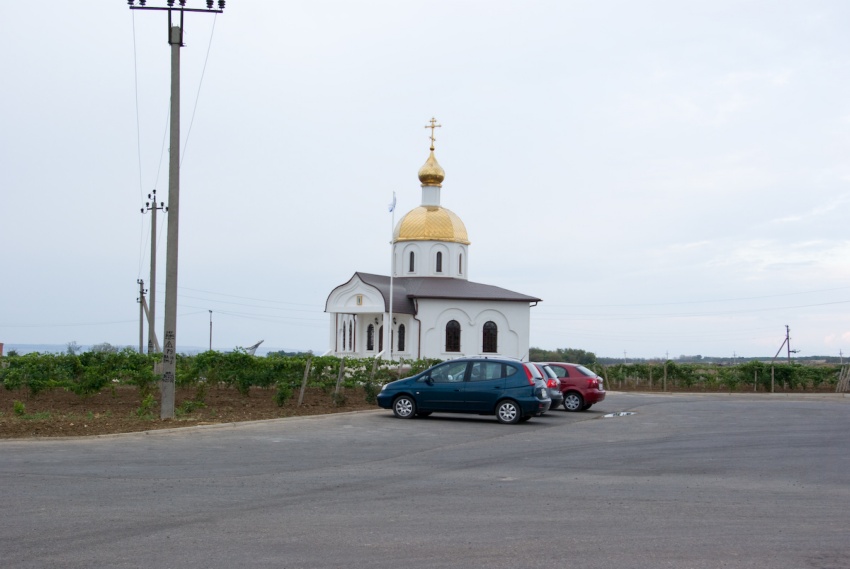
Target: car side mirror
[{"x": 429, "y": 381}]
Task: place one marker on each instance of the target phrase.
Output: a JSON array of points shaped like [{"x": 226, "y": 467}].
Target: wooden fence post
[
  {"x": 843, "y": 379},
  {"x": 374, "y": 368},
  {"x": 304, "y": 381},
  {"x": 339, "y": 379}
]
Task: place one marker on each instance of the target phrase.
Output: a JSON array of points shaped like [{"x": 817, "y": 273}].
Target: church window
[
  {"x": 401, "y": 337},
  {"x": 439, "y": 262},
  {"x": 359, "y": 300},
  {"x": 412, "y": 266},
  {"x": 453, "y": 336},
  {"x": 350, "y": 336},
  {"x": 370, "y": 338},
  {"x": 460, "y": 264},
  {"x": 343, "y": 337},
  {"x": 491, "y": 333},
  {"x": 381, "y": 339}
]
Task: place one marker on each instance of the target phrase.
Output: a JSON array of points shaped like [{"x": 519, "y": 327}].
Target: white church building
[{"x": 427, "y": 308}]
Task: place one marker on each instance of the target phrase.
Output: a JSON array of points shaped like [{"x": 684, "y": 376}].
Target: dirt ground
[{"x": 60, "y": 413}]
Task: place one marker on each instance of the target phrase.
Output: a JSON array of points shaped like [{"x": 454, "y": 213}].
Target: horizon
[
  {"x": 668, "y": 177},
  {"x": 25, "y": 348}
]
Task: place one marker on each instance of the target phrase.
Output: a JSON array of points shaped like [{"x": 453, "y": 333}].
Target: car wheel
[
  {"x": 586, "y": 407},
  {"x": 573, "y": 401},
  {"x": 423, "y": 413},
  {"x": 404, "y": 407},
  {"x": 508, "y": 412}
]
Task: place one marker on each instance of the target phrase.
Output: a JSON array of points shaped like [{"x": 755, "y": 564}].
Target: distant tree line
[
  {"x": 571, "y": 355},
  {"x": 578, "y": 356}
]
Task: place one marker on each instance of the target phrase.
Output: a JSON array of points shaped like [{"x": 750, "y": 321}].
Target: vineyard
[
  {"x": 104, "y": 392},
  {"x": 752, "y": 376}
]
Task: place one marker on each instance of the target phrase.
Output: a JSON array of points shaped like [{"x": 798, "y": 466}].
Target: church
[{"x": 427, "y": 308}]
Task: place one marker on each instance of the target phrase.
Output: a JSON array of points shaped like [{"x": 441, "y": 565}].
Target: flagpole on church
[{"x": 392, "y": 274}]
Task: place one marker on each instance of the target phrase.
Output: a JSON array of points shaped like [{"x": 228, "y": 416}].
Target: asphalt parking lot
[{"x": 687, "y": 481}]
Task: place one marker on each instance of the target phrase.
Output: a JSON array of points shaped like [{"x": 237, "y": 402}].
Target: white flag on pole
[{"x": 392, "y": 205}]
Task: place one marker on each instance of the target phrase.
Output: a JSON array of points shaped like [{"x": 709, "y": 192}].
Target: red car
[{"x": 581, "y": 387}]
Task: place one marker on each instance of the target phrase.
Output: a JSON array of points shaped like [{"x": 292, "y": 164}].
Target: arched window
[
  {"x": 453, "y": 336},
  {"x": 412, "y": 266},
  {"x": 370, "y": 338},
  {"x": 381, "y": 339},
  {"x": 350, "y": 338},
  {"x": 491, "y": 336},
  {"x": 460, "y": 264},
  {"x": 439, "y": 262},
  {"x": 401, "y": 337}
]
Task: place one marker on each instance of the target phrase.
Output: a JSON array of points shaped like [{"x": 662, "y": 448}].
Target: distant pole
[
  {"x": 141, "y": 301},
  {"x": 169, "y": 352},
  {"x": 152, "y": 207},
  {"x": 210, "y": 330},
  {"x": 772, "y": 374},
  {"x": 392, "y": 275},
  {"x": 788, "y": 342}
]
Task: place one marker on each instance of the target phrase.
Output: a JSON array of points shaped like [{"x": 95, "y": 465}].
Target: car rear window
[
  {"x": 548, "y": 371},
  {"x": 535, "y": 373},
  {"x": 585, "y": 371}
]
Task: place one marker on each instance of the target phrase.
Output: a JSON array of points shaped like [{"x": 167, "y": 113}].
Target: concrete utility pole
[
  {"x": 788, "y": 343},
  {"x": 785, "y": 342},
  {"x": 210, "y": 330},
  {"x": 141, "y": 301},
  {"x": 169, "y": 352},
  {"x": 152, "y": 207}
]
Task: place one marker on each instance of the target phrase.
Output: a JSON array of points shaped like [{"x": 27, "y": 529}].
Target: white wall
[{"x": 512, "y": 319}]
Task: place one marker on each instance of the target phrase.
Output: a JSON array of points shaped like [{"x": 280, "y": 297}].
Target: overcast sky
[{"x": 669, "y": 177}]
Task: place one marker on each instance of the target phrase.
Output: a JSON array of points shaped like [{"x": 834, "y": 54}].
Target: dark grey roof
[{"x": 408, "y": 289}]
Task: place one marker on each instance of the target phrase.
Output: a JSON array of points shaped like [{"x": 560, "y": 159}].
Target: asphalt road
[{"x": 687, "y": 481}]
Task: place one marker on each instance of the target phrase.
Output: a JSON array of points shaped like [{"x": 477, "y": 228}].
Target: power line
[
  {"x": 248, "y": 305},
  {"x": 604, "y": 316},
  {"x": 198, "y": 94},
  {"x": 244, "y": 297},
  {"x": 699, "y": 301}
]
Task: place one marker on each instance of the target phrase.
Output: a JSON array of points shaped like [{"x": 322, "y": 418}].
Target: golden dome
[
  {"x": 431, "y": 223},
  {"x": 431, "y": 173}
]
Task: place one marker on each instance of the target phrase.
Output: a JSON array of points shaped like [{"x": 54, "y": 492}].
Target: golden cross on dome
[{"x": 432, "y": 126}]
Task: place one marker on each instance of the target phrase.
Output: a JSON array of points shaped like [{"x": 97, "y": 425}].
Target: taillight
[
  {"x": 592, "y": 383},
  {"x": 528, "y": 375},
  {"x": 551, "y": 383}
]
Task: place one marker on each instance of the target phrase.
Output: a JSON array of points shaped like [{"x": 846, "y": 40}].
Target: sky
[{"x": 670, "y": 178}]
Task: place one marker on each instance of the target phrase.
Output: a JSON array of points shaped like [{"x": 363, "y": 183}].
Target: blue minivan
[{"x": 486, "y": 386}]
